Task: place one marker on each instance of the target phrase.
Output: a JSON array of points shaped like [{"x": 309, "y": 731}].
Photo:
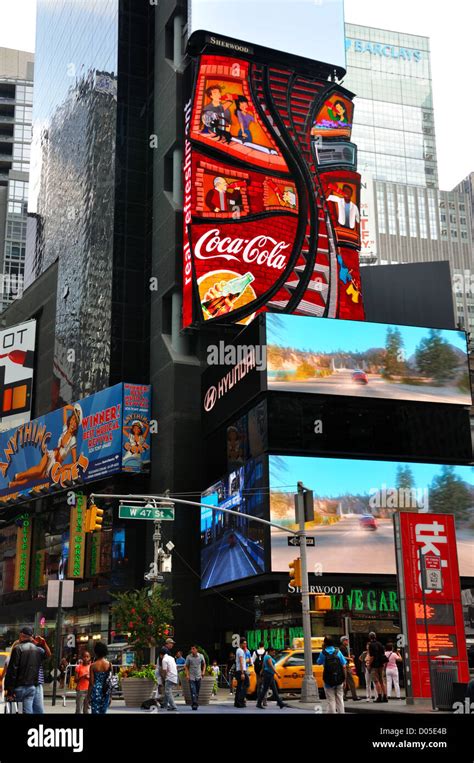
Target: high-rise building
[
  {"x": 394, "y": 118},
  {"x": 407, "y": 217},
  {"x": 16, "y": 99}
]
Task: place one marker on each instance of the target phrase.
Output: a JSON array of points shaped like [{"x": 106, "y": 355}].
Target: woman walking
[
  {"x": 100, "y": 689},
  {"x": 369, "y": 686}
]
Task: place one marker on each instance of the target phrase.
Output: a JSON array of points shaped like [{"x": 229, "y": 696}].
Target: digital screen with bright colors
[
  {"x": 367, "y": 360},
  {"x": 267, "y": 224},
  {"x": 17, "y": 360},
  {"x": 354, "y": 503},
  {"x": 232, "y": 546},
  {"x": 99, "y": 435}
]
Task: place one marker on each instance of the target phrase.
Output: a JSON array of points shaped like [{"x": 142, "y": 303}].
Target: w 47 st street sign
[{"x": 141, "y": 512}]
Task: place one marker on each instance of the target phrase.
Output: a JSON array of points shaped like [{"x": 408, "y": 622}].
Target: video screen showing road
[
  {"x": 367, "y": 360},
  {"x": 232, "y": 547},
  {"x": 354, "y": 502}
]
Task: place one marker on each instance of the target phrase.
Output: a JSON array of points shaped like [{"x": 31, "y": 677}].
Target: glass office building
[
  {"x": 393, "y": 120},
  {"x": 90, "y": 187},
  {"x": 16, "y": 99}
]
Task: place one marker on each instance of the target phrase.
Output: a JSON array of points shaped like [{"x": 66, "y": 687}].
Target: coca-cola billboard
[{"x": 271, "y": 214}]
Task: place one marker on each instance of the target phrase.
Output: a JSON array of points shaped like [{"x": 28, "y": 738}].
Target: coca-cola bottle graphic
[
  {"x": 227, "y": 295},
  {"x": 288, "y": 156}
]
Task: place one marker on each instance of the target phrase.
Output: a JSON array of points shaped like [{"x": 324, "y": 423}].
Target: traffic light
[
  {"x": 320, "y": 603},
  {"x": 94, "y": 518},
  {"x": 295, "y": 573}
]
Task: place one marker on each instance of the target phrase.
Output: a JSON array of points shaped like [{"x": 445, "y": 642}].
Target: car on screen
[
  {"x": 359, "y": 377},
  {"x": 367, "y": 522}
]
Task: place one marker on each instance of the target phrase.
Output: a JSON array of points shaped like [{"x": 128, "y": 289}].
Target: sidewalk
[{"x": 392, "y": 707}]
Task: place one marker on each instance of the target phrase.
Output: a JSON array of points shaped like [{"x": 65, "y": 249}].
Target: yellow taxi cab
[
  {"x": 290, "y": 668},
  {"x": 3, "y": 658}
]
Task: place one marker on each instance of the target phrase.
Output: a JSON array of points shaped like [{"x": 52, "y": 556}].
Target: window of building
[
  {"x": 412, "y": 213},
  {"x": 381, "y": 211},
  {"x": 401, "y": 213},
  {"x": 422, "y": 214}
]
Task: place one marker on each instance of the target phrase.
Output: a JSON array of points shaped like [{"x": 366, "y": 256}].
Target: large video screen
[
  {"x": 232, "y": 547},
  {"x": 367, "y": 360},
  {"x": 17, "y": 362},
  {"x": 253, "y": 239},
  {"x": 354, "y": 503}
]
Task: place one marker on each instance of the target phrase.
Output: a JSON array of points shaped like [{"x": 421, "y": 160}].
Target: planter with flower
[{"x": 145, "y": 614}]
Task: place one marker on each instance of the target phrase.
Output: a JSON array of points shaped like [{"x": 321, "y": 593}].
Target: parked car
[{"x": 367, "y": 522}]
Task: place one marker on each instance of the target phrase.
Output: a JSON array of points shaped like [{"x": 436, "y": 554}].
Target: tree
[
  {"x": 435, "y": 358},
  {"x": 404, "y": 477},
  {"x": 394, "y": 361},
  {"x": 449, "y": 494},
  {"x": 145, "y": 614}
]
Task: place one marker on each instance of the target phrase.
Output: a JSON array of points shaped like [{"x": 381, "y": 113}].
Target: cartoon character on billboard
[
  {"x": 347, "y": 212},
  {"x": 245, "y": 118},
  {"x": 67, "y": 444},
  {"x": 337, "y": 121},
  {"x": 226, "y": 197},
  {"x": 215, "y": 115}
]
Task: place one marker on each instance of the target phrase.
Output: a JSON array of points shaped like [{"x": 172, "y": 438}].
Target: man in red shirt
[{"x": 81, "y": 675}]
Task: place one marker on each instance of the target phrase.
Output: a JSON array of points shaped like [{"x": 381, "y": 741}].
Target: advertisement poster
[
  {"x": 433, "y": 622},
  {"x": 354, "y": 504},
  {"x": 265, "y": 226},
  {"x": 17, "y": 360},
  {"x": 367, "y": 360},
  {"x": 79, "y": 443}
]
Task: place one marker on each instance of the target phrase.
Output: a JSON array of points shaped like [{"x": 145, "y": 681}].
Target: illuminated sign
[
  {"x": 17, "y": 359},
  {"x": 77, "y": 538},
  {"x": 384, "y": 50},
  {"x": 359, "y": 600},
  {"x": 367, "y": 360},
  {"x": 425, "y": 611},
  {"x": 95, "y": 549},
  {"x": 23, "y": 554},
  {"x": 269, "y": 223},
  {"x": 102, "y": 434},
  {"x": 276, "y": 637},
  {"x": 40, "y": 568},
  {"x": 356, "y": 499}
]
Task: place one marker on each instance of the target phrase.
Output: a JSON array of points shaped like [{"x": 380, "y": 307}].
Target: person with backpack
[
  {"x": 377, "y": 661},
  {"x": 334, "y": 675},
  {"x": 257, "y": 661},
  {"x": 269, "y": 673}
]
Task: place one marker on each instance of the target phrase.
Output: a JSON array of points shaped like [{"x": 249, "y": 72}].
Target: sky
[
  {"x": 328, "y": 335},
  {"x": 447, "y": 25},
  {"x": 339, "y": 476}
]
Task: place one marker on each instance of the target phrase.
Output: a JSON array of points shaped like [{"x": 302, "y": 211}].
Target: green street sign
[{"x": 140, "y": 512}]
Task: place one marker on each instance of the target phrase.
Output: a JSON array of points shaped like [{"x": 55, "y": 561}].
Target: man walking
[
  {"x": 23, "y": 669},
  {"x": 195, "y": 667},
  {"x": 333, "y": 675},
  {"x": 349, "y": 684},
  {"x": 268, "y": 682},
  {"x": 377, "y": 662},
  {"x": 170, "y": 677},
  {"x": 241, "y": 674},
  {"x": 257, "y": 661}
]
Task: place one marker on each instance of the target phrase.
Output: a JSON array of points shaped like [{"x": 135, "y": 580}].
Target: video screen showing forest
[{"x": 367, "y": 360}]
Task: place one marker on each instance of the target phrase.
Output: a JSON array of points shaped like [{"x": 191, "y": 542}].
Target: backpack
[
  {"x": 380, "y": 658},
  {"x": 333, "y": 673},
  {"x": 258, "y": 664}
]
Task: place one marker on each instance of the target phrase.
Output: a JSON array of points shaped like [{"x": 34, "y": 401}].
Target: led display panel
[
  {"x": 271, "y": 210},
  {"x": 354, "y": 503},
  {"x": 17, "y": 360},
  {"x": 367, "y": 360}
]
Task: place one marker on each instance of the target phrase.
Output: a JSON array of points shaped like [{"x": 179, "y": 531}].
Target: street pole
[
  {"x": 309, "y": 689},
  {"x": 156, "y": 571},
  {"x": 57, "y": 646}
]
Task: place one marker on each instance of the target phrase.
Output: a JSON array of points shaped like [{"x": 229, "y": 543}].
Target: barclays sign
[{"x": 386, "y": 51}]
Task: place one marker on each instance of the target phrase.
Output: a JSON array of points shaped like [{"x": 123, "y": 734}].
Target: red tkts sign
[
  {"x": 433, "y": 624},
  {"x": 271, "y": 207}
]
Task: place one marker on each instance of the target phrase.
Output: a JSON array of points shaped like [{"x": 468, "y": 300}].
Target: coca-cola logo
[{"x": 260, "y": 250}]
